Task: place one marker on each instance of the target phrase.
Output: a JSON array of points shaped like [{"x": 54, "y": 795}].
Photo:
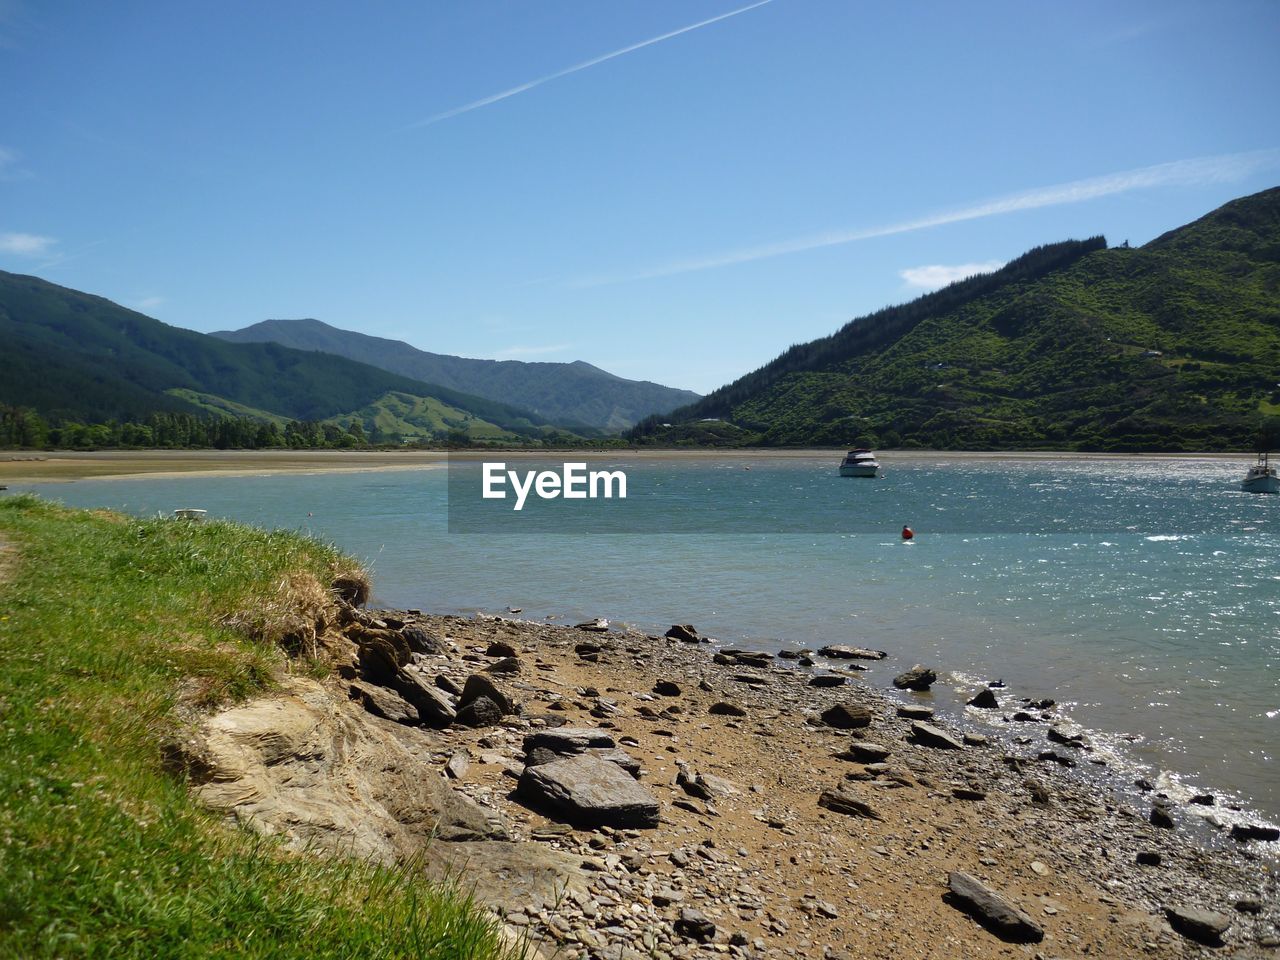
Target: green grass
[{"x": 109, "y": 633}]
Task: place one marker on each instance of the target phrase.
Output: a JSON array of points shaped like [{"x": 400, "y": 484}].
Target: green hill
[
  {"x": 222, "y": 407},
  {"x": 76, "y": 356},
  {"x": 407, "y": 415},
  {"x": 1171, "y": 346},
  {"x": 567, "y": 393}
]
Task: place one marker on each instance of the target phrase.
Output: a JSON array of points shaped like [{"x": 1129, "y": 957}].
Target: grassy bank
[{"x": 110, "y": 632}]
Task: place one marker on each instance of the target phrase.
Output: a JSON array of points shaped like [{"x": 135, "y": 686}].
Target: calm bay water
[{"x": 1158, "y": 617}]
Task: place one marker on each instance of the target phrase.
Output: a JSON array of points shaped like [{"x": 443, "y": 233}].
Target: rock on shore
[
  {"x": 840, "y": 651},
  {"x": 917, "y": 678},
  {"x": 993, "y": 911},
  {"x": 589, "y": 791}
]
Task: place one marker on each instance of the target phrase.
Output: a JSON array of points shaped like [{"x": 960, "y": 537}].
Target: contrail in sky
[
  {"x": 486, "y": 101},
  {"x": 1217, "y": 169}
]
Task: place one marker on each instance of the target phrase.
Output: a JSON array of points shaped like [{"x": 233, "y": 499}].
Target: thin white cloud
[
  {"x": 511, "y": 353},
  {"x": 937, "y": 275},
  {"x": 11, "y": 168},
  {"x": 26, "y": 244},
  {"x": 1133, "y": 31},
  {"x": 149, "y": 303},
  {"x": 595, "y": 61},
  {"x": 1180, "y": 173}
]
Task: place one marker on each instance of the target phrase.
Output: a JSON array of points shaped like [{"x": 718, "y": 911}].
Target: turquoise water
[{"x": 1157, "y": 621}]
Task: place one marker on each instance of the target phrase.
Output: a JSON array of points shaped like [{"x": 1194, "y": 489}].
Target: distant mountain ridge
[
  {"x": 1171, "y": 346},
  {"x": 574, "y": 393},
  {"x": 74, "y": 355}
]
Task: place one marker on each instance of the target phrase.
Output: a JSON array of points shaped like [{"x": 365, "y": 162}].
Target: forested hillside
[
  {"x": 74, "y": 356},
  {"x": 1171, "y": 346}
]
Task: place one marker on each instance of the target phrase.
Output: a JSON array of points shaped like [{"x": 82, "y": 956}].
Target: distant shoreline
[{"x": 67, "y": 466}]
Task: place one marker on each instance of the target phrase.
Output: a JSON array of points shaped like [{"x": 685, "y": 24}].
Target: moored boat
[
  {"x": 1261, "y": 477},
  {"x": 859, "y": 463}
]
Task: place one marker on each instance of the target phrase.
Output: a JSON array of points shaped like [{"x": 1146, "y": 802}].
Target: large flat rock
[
  {"x": 842, "y": 651},
  {"x": 1198, "y": 924},
  {"x": 847, "y": 716},
  {"x": 992, "y": 910},
  {"x": 588, "y": 791},
  {"x": 842, "y": 800},
  {"x": 926, "y": 734},
  {"x": 384, "y": 703},
  {"x": 863, "y": 751}
]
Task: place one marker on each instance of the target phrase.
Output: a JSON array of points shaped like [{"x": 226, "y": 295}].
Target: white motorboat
[
  {"x": 1261, "y": 477},
  {"x": 859, "y": 463}
]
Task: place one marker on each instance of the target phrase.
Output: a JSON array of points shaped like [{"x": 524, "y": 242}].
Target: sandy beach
[{"x": 65, "y": 466}]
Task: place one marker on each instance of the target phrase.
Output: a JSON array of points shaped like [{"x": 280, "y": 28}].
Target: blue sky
[{"x": 615, "y": 181}]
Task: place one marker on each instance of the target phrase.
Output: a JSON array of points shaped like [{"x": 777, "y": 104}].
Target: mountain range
[
  {"x": 77, "y": 356},
  {"x": 570, "y": 394},
  {"x": 72, "y": 355},
  {"x": 1174, "y": 345}
]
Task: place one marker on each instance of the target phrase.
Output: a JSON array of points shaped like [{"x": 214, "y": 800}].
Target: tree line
[{"x": 24, "y": 427}]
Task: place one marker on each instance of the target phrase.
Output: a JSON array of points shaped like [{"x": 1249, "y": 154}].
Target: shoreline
[
  {"x": 1109, "y": 764},
  {"x": 773, "y": 866},
  {"x": 69, "y": 466},
  {"x": 1165, "y": 769},
  {"x": 300, "y": 471}
]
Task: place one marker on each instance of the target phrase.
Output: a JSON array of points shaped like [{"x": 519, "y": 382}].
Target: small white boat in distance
[
  {"x": 190, "y": 513},
  {"x": 859, "y": 463},
  {"x": 1261, "y": 477}
]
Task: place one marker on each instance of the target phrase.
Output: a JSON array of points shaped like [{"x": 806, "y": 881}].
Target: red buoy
[{"x": 907, "y": 533}]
